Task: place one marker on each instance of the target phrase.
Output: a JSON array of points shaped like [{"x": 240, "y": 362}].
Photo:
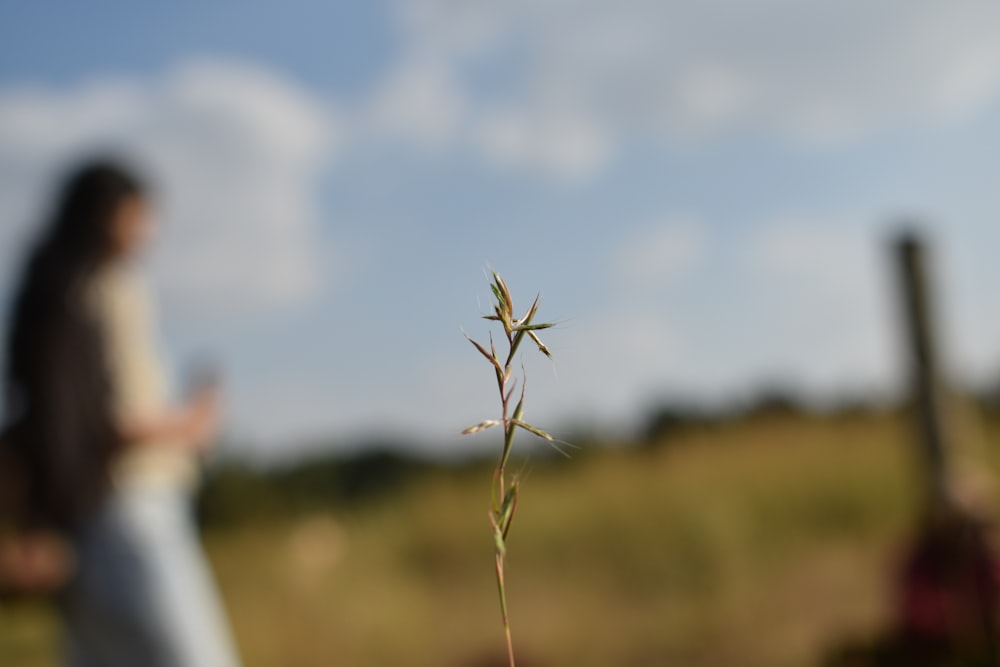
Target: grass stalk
[{"x": 503, "y": 493}]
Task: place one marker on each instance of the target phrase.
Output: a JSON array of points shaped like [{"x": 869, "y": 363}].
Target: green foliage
[{"x": 236, "y": 493}]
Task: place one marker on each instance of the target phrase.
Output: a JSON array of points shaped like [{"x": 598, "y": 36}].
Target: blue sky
[{"x": 703, "y": 192}]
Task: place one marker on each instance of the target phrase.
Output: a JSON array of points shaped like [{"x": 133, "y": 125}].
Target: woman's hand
[
  {"x": 204, "y": 414},
  {"x": 192, "y": 426},
  {"x": 34, "y": 563}
]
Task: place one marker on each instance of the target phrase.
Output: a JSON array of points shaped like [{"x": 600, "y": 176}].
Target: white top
[{"x": 139, "y": 380}]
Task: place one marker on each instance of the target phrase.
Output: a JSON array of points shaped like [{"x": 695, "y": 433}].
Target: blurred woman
[{"x": 104, "y": 459}]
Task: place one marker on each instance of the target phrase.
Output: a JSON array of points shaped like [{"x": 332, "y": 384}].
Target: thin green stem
[
  {"x": 504, "y": 500},
  {"x": 503, "y": 608}
]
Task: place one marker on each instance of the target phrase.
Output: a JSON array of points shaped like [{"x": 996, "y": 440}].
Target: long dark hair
[{"x": 61, "y": 433}]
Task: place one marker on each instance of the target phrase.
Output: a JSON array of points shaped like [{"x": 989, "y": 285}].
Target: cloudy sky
[{"x": 704, "y": 192}]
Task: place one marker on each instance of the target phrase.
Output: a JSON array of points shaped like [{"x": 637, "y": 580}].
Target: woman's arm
[{"x": 192, "y": 426}]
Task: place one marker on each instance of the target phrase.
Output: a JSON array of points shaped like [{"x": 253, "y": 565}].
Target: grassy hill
[{"x": 766, "y": 541}]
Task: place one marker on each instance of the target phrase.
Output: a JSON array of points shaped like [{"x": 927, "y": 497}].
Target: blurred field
[{"x": 763, "y": 542}]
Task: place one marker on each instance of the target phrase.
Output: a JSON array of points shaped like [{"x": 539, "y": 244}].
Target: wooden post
[
  {"x": 925, "y": 382},
  {"x": 928, "y": 403}
]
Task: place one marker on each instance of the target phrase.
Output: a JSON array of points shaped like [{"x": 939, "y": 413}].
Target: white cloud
[
  {"x": 565, "y": 144},
  {"x": 662, "y": 252},
  {"x": 558, "y": 86},
  {"x": 233, "y": 152},
  {"x": 419, "y": 102},
  {"x": 825, "y": 298},
  {"x": 833, "y": 255}
]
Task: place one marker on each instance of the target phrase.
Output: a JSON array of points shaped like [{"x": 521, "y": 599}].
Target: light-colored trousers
[{"x": 143, "y": 595}]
